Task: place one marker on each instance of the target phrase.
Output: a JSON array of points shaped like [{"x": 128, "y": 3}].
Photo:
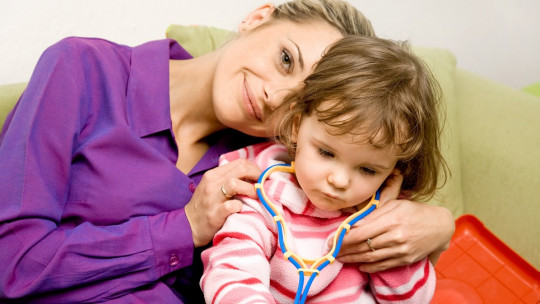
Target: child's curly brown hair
[{"x": 377, "y": 88}]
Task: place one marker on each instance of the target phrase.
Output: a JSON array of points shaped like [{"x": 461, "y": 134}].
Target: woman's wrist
[
  {"x": 447, "y": 224},
  {"x": 449, "y": 219}
]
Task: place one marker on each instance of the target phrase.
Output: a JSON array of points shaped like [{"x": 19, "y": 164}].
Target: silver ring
[
  {"x": 224, "y": 192},
  {"x": 368, "y": 241}
]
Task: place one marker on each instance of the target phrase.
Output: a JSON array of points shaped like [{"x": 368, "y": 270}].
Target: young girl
[{"x": 365, "y": 117}]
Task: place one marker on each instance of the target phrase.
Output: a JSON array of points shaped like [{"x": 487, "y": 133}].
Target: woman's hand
[
  {"x": 401, "y": 232},
  {"x": 210, "y": 206}
]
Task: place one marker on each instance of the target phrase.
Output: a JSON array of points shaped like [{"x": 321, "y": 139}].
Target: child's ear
[{"x": 257, "y": 17}]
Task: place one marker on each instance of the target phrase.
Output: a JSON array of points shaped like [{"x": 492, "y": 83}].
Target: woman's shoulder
[
  {"x": 84, "y": 47},
  {"x": 81, "y": 58},
  {"x": 74, "y": 42}
]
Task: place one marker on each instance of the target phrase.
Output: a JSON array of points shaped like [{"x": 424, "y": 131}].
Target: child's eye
[
  {"x": 286, "y": 60},
  {"x": 367, "y": 171},
  {"x": 325, "y": 153}
]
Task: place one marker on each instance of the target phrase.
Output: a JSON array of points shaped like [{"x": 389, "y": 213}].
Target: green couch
[{"x": 491, "y": 142}]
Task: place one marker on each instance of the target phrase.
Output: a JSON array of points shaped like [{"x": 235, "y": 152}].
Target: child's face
[{"x": 339, "y": 171}]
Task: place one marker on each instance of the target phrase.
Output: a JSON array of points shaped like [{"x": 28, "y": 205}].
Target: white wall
[{"x": 499, "y": 39}]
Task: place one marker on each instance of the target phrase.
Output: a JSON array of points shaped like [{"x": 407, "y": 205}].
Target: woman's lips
[{"x": 250, "y": 102}]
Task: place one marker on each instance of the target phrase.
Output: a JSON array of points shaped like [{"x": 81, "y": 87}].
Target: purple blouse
[{"x": 91, "y": 202}]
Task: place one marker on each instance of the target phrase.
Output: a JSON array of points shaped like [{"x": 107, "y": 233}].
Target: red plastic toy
[{"x": 479, "y": 268}]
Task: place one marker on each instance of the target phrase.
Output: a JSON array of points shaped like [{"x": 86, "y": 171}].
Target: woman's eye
[
  {"x": 325, "y": 153},
  {"x": 286, "y": 60}
]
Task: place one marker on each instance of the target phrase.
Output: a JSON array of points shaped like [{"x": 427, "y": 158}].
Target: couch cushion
[
  {"x": 9, "y": 95},
  {"x": 200, "y": 40},
  {"x": 533, "y": 89},
  {"x": 500, "y": 143},
  {"x": 197, "y": 39},
  {"x": 443, "y": 65}
]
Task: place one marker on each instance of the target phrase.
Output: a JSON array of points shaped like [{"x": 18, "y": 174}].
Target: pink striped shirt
[{"x": 246, "y": 264}]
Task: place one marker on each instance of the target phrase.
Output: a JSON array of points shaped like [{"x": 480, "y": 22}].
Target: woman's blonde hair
[
  {"x": 376, "y": 88},
  {"x": 338, "y": 13}
]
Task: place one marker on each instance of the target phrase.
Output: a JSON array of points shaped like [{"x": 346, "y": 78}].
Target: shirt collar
[
  {"x": 222, "y": 142},
  {"x": 148, "y": 87}
]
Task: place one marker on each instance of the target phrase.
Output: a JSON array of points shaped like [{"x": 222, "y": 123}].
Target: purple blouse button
[
  {"x": 173, "y": 260},
  {"x": 192, "y": 187}
]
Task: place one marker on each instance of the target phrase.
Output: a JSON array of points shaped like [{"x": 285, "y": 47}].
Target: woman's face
[{"x": 258, "y": 69}]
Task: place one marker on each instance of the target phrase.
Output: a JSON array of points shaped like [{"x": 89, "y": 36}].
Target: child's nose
[{"x": 339, "y": 178}]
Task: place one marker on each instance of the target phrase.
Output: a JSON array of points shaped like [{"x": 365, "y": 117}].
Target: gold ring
[
  {"x": 368, "y": 241},
  {"x": 224, "y": 192}
]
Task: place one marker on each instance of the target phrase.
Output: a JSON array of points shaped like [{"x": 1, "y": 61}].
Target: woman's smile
[{"x": 250, "y": 102}]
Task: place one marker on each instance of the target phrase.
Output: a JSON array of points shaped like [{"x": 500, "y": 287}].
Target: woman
[{"x": 110, "y": 187}]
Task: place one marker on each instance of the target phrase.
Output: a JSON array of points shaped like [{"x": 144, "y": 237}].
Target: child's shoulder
[{"x": 263, "y": 154}]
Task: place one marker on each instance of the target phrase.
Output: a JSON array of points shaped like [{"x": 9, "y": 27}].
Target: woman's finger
[
  {"x": 381, "y": 265},
  {"x": 391, "y": 187},
  {"x": 361, "y": 252},
  {"x": 355, "y": 242},
  {"x": 240, "y": 169},
  {"x": 233, "y": 187},
  {"x": 232, "y": 206},
  {"x": 375, "y": 224},
  {"x": 387, "y": 258},
  {"x": 236, "y": 178},
  {"x": 223, "y": 210}
]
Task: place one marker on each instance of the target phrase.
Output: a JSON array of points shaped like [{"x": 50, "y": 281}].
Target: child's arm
[
  {"x": 236, "y": 268},
  {"x": 413, "y": 283}
]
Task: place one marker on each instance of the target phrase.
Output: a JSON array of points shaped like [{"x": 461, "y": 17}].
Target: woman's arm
[{"x": 81, "y": 261}]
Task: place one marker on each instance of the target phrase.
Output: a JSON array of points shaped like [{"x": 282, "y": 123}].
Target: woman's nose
[
  {"x": 274, "y": 94},
  {"x": 274, "y": 99}
]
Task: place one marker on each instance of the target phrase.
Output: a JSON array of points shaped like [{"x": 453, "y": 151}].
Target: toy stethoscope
[{"x": 299, "y": 262}]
